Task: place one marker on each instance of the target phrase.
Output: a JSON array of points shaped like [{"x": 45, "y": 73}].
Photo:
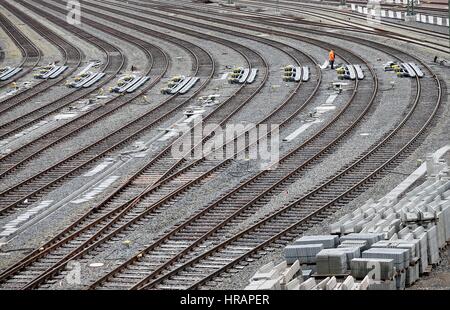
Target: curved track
[
  {"x": 278, "y": 114},
  {"x": 31, "y": 55},
  {"x": 192, "y": 268},
  {"x": 88, "y": 230},
  {"x": 146, "y": 262},
  {"x": 207, "y": 243},
  {"x": 72, "y": 57}
]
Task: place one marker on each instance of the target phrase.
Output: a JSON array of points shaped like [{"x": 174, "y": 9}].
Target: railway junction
[{"x": 229, "y": 145}]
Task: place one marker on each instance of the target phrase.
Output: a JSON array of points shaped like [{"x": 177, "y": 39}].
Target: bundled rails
[
  {"x": 350, "y": 72},
  {"x": 404, "y": 69},
  {"x": 179, "y": 85},
  {"x": 50, "y": 72},
  {"x": 243, "y": 75},
  {"x": 9, "y": 72},
  {"x": 129, "y": 84},
  {"x": 86, "y": 79},
  {"x": 296, "y": 74}
]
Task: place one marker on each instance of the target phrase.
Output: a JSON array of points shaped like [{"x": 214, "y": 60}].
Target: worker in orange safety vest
[{"x": 331, "y": 59}]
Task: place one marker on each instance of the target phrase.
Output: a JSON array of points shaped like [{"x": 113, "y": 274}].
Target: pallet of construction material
[
  {"x": 444, "y": 208},
  {"x": 304, "y": 253},
  {"x": 361, "y": 244},
  {"x": 331, "y": 261},
  {"x": 399, "y": 256},
  {"x": 328, "y": 241},
  {"x": 370, "y": 238},
  {"x": 376, "y": 268},
  {"x": 411, "y": 246},
  {"x": 350, "y": 252}
]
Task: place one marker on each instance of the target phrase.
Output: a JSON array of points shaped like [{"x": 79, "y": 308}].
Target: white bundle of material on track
[
  {"x": 9, "y": 73},
  {"x": 89, "y": 81},
  {"x": 53, "y": 73}
]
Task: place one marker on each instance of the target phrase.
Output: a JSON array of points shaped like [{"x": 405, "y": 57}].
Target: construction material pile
[{"x": 387, "y": 244}]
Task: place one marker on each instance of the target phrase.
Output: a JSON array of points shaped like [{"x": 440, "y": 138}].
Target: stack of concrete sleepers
[
  {"x": 331, "y": 262},
  {"x": 378, "y": 268},
  {"x": 328, "y": 241},
  {"x": 304, "y": 253},
  {"x": 400, "y": 257},
  {"x": 360, "y": 244},
  {"x": 350, "y": 252},
  {"x": 369, "y": 238},
  {"x": 412, "y": 269}
]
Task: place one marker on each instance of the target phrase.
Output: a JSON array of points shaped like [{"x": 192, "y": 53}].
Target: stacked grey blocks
[
  {"x": 304, "y": 253},
  {"x": 385, "y": 244},
  {"x": 331, "y": 261},
  {"x": 306, "y": 248},
  {"x": 378, "y": 268},
  {"x": 369, "y": 238},
  {"x": 328, "y": 241},
  {"x": 400, "y": 257}
]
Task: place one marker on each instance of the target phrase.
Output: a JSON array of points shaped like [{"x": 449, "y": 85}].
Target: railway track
[
  {"x": 275, "y": 115},
  {"x": 31, "y": 55},
  {"x": 195, "y": 259},
  {"x": 312, "y": 10},
  {"x": 354, "y": 28},
  {"x": 100, "y": 221},
  {"x": 117, "y": 61},
  {"x": 202, "y": 66},
  {"x": 72, "y": 57},
  {"x": 144, "y": 264},
  {"x": 209, "y": 255}
]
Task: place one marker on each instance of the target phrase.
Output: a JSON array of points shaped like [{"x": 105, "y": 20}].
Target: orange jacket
[{"x": 331, "y": 56}]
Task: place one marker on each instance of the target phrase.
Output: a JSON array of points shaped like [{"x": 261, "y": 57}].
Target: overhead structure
[{"x": 410, "y": 7}]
